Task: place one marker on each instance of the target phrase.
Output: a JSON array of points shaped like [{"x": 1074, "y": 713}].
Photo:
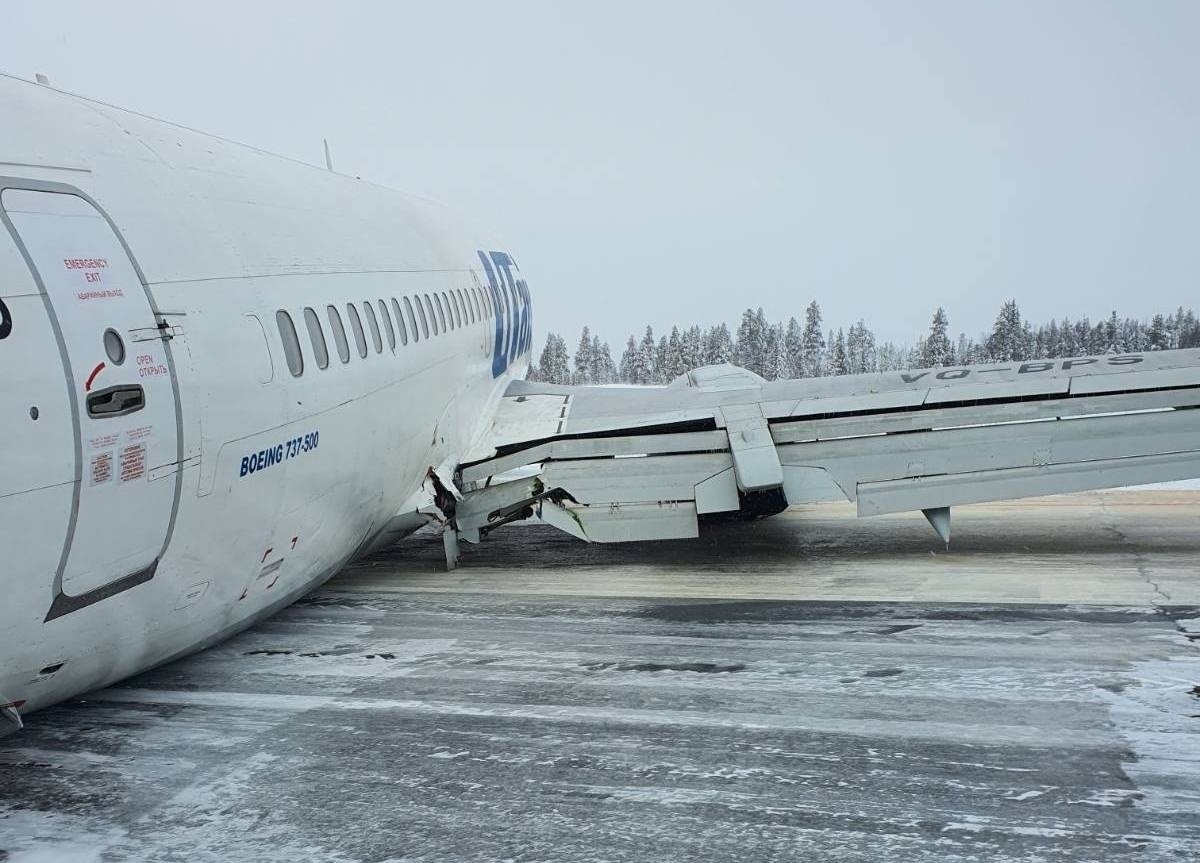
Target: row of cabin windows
[{"x": 416, "y": 318}]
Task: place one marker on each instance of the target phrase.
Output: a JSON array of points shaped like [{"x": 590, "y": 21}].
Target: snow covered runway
[{"x": 815, "y": 687}]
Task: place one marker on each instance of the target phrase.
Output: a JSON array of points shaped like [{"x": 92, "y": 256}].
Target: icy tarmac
[{"x": 811, "y": 687}]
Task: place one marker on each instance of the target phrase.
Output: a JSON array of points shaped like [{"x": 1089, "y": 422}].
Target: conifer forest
[{"x": 806, "y": 348}]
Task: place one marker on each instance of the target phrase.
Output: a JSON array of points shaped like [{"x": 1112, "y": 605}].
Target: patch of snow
[
  {"x": 450, "y": 756},
  {"x": 1027, "y": 795},
  {"x": 1181, "y": 484},
  {"x": 48, "y": 837}
]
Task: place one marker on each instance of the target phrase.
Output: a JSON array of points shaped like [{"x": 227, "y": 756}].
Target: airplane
[{"x": 225, "y": 375}]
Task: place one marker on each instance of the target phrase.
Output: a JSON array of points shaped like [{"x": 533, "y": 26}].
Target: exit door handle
[{"x": 116, "y": 401}]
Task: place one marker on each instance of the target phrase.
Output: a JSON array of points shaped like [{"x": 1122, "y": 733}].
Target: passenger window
[
  {"x": 437, "y": 301},
  {"x": 458, "y": 318},
  {"x": 432, "y": 318},
  {"x": 374, "y": 327},
  {"x": 317, "y": 336},
  {"x": 339, "y": 334},
  {"x": 387, "y": 324},
  {"x": 291, "y": 343},
  {"x": 464, "y": 300},
  {"x": 400, "y": 322},
  {"x": 360, "y": 338},
  {"x": 479, "y": 310},
  {"x": 412, "y": 319}
]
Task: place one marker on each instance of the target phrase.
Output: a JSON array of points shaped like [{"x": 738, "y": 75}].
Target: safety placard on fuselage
[{"x": 281, "y": 452}]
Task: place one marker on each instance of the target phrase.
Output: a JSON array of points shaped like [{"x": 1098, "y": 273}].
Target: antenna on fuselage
[
  {"x": 328, "y": 158},
  {"x": 42, "y": 79}
]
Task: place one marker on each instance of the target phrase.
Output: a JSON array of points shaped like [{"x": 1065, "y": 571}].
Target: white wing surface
[{"x": 611, "y": 464}]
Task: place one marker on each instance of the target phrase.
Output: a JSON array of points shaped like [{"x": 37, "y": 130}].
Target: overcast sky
[{"x": 676, "y": 162}]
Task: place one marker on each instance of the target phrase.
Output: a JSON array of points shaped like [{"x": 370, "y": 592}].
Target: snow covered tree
[
  {"x": 813, "y": 345},
  {"x": 775, "y": 364},
  {"x": 1051, "y": 343},
  {"x": 554, "y": 365},
  {"x": 718, "y": 345},
  {"x": 838, "y": 363},
  {"x": 860, "y": 349},
  {"x": 749, "y": 346},
  {"x": 629, "y": 362},
  {"x": 673, "y": 366},
  {"x": 937, "y": 350},
  {"x": 1156, "y": 335},
  {"x": 603, "y": 370},
  {"x": 583, "y": 359},
  {"x": 662, "y": 361},
  {"x": 691, "y": 348},
  {"x": 892, "y": 357},
  {"x": 1189, "y": 330},
  {"x": 646, "y": 352},
  {"x": 1112, "y": 332},
  {"x": 1006, "y": 343},
  {"x": 1068, "y": 340},
  {"x": 793, "y": 346}
]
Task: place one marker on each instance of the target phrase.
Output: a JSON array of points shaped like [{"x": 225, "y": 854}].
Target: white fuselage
[{"x": 174, "y": 468}]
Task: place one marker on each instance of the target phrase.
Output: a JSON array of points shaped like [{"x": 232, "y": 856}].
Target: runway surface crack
[{"x": 1160, "y": 597}]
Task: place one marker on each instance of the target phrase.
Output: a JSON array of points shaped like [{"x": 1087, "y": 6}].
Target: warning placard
[
  {"x": 101, "y": 470},
  {"x": 133, "y": 462}
]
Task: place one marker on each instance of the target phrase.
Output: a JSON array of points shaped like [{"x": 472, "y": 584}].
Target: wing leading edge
[{"x": 614, "y": 464}]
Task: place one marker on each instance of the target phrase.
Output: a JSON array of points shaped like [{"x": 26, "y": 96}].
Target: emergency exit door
[{"x": 119, "y": 373}]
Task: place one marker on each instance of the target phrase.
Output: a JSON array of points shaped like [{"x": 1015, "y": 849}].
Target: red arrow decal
[{"x": 87, "y": 387}]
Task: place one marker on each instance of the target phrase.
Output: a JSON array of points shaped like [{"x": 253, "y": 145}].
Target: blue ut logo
[{"x": 511, "y": 300}]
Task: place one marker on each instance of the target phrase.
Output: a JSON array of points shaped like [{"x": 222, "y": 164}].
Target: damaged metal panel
[
  {"x": 597, "y": 447},
  {"x": 922, "y": 440},
  {"x": 718, "y": 493},
  {"x": 561, "y": 517},
  {"x": 635, "y": 522},
  {"x": 810, "y": 485},
  {"x": 482, "y": 507},
  {"x": 634, "y": 480}
]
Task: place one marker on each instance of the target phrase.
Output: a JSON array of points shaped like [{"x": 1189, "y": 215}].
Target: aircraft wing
[{"x": 612, "y": 464}]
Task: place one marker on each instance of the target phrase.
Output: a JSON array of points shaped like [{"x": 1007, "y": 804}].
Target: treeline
[{"x": 805, "y": 350}]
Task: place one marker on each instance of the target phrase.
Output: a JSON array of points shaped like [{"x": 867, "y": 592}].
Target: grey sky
[{"x": 676, "y": 162}]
